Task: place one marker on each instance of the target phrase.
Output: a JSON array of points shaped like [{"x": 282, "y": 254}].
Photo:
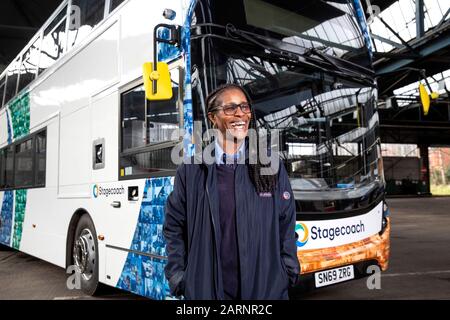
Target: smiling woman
[
  {"x": 306, "y": 66},
  {"x": 246, "y": 218},
  {"x": 230, "y": 112}
]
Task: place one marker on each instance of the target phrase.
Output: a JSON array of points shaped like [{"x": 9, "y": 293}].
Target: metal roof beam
[
  {"x": 444, "y": 18},
  {"x": 396, "y": 55},
  {"x": 388, "y": 41},
  {"x": 406, "y": 44},
  {"x": 429, "y": 48}
]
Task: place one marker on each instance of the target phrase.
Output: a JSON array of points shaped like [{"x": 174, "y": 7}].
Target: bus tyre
[{"x": 85, "y": 255}]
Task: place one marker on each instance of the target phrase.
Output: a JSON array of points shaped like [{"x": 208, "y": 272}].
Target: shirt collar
[{"x": 219, "y": 152}]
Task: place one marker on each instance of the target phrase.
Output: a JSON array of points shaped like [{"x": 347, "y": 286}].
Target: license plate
[{"x": 327, "y": 277}]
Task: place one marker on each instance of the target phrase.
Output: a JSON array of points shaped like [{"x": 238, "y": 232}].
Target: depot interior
[{"x": 411, "y": 45}]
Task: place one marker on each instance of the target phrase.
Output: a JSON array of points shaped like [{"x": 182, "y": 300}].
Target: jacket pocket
[{"x": 177, "y": 283}]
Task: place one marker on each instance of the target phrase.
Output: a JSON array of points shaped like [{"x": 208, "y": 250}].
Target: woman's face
[{"x": 231, "y": 126}]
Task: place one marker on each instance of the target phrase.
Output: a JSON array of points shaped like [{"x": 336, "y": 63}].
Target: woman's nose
[{"x": 239, "y": 112}]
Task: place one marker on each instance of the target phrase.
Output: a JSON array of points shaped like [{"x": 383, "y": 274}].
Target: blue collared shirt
[
  {"x": 219, "y": 153},
  {"x": 229, "y": 254}
]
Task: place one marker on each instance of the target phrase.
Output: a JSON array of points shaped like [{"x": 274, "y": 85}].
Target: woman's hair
[
  {"x": 211, "y": 99},
  {"x": 263, "y": 183}
]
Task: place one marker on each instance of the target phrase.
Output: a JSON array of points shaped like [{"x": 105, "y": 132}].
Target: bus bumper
[{"x": 361, "y": 254}]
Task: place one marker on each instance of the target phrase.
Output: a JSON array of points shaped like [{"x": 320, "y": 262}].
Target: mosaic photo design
[
  {"x": 143, "y": 272},
  {"x": 20, "y": 203},
  {"x": 6, "y": 218},
  {"x": 144, "y": 276}
]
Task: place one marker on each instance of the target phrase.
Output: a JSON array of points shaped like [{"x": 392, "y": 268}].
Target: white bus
[{"x": 85, "y": 158}]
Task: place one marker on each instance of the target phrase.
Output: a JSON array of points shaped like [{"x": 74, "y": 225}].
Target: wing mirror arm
[{"x": 174, "y": 39}]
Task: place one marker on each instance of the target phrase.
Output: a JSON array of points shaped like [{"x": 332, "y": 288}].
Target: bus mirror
[
  {"x": 157, "y": 82},
  {"x": 167, "y": 33},
  {"x": 424, "y": 98}
]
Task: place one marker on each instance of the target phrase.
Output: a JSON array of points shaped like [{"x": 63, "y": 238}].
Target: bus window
[
  {"x": 149, "y": 131},
  {"x": 148, "y": 122},
  {"x": 54, "y": 41},
  {"x": 28, "y": 69},
  {"x": 2, "y": 90},
  {"x": 40, "y": 150},
  {"x": 2, "y": 168},
  {"x": 9, "y": 166},
  {"x": 87, "y": 15},
  {"x": 11, "y": 80},
  {"x": 163, "y": 116},
  {"x": 133, "y": 118},
  {"x": 23, "y": 176},
  {"x": 114, "y": 4}
]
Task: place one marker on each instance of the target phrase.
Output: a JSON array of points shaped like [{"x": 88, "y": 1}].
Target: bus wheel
[{"x": 85, "y": 254}]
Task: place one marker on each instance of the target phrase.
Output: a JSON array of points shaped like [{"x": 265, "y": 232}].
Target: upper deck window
[
  {"x": 114, "y": 4},
  {"x": 11, "y": 80},
  {"x": 58, "y": 35},
  {"x": 297, "y": 26},
  {"x": 85, "y": 15},
  {"x": 28, "y": 69},
  {"x": 2, "y": 90},
  {"x": 54, "y": 41}
]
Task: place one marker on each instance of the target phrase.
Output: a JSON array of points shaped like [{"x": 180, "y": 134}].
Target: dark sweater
[{"x": 229, "y": 247}]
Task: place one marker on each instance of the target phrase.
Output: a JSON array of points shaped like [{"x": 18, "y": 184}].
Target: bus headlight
[
  {"x": 385, "y": 209},
  {"x": 384, "y": 223},
  {"x": 384, "y": 220}
]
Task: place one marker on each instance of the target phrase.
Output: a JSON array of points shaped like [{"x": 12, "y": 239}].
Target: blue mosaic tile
[
  {"x": 144, "y": 274},
  {"x": 6, "y": 218}
]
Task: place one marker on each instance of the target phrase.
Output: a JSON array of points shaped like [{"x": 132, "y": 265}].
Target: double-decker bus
[{"x": 87, "y": 142}]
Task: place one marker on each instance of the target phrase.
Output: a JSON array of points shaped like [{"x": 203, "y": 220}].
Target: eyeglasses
[{"x": 230, "y": 109}]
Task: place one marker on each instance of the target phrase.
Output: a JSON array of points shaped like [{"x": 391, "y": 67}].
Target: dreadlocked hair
[{"x": 263, "y": 183}]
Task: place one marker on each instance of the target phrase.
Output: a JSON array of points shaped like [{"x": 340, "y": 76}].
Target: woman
[{"x": 230, "y": 230}]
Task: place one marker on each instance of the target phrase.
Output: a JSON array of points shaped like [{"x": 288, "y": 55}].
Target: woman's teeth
[{"x": 238, "y": 124}]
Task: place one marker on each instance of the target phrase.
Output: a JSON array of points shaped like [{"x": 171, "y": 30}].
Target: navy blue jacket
[{"x": 265, "y": 231}]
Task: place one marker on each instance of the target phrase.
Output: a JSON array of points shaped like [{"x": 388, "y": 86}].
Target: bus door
[{"x": 149, "y": 130}]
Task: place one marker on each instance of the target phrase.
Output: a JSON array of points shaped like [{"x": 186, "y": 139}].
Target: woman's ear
[{"x": 211, "y": 117}]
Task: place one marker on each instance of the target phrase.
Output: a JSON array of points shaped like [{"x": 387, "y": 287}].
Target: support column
[
  {"x": 420, "y": 26},
  {"x": 424, "y": 170}
]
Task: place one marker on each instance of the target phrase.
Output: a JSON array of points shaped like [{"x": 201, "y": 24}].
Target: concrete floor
[
  {"x": 419, "y": 263},
  {"x": 419, "y": 266}
]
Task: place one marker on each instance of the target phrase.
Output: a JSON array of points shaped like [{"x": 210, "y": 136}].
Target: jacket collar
[{"x": 220, "y": 155}]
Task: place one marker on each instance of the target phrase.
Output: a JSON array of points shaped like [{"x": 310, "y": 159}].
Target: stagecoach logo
[
  {"x": 322, "y": 234},
  {"x": 98, "y": 191},
  {"x": 302, "y": 234},
  {"x": 95, "y": 191}
]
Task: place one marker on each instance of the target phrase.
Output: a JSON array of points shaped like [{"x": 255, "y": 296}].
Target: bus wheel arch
[{"x": 82, "y": 250}]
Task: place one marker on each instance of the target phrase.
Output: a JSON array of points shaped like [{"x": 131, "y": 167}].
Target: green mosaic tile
[
  {"x": 21, "y": 201},
  {"x": 20, "y": 115}
]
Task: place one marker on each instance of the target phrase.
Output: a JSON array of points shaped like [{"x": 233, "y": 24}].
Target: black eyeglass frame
[{"x": 233, "y": 107}]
